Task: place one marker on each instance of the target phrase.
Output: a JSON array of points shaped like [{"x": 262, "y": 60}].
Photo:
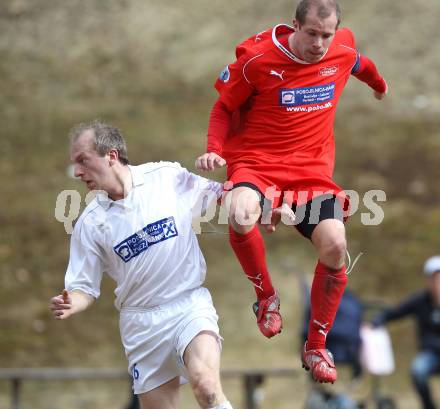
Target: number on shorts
[{"x": 135, "y": 372}]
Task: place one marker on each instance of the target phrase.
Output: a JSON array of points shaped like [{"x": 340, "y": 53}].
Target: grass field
[{"x": 145, "y": 68}]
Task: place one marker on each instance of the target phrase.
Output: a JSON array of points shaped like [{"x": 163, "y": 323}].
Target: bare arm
[{"x": 68, "y": 303}]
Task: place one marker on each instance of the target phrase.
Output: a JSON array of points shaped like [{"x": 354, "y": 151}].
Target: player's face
[
  {"x": 94, "y": 170},
  {"x": 312, "y": 39}
]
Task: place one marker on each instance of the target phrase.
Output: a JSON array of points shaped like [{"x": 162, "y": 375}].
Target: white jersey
[{"x": 145, "y": 241}]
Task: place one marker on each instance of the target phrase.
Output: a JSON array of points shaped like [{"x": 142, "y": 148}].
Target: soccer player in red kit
[{"x": 272, "y": 125}]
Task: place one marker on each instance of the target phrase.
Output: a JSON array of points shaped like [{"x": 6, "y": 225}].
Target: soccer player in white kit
[{"x": 138, "y": 231}]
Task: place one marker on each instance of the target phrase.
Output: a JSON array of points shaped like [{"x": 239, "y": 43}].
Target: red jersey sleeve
[
  {"x": 235, "y": 86},
  {"x": 367, "y": 72},
  {"x": 235, "y": 83},
  {"x": 218, "y": 128},
  {"x": 364, "y": 69}
]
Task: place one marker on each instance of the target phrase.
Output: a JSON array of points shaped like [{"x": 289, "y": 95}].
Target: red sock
[
  {"x": 250, "y": 251},
  {"x": 327, "y": 290}
]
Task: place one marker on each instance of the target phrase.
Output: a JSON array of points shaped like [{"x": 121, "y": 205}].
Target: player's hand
[
  {"x": 283, "y": 213},
  {"x": 61, "y": 306},
  {"x": 381, "y": 95},
  {"x": 209, "y": 161}
]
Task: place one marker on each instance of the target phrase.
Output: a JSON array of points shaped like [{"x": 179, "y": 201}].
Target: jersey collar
[
  {"x": 137, "y": 175},
  {"x": 103, "y": 200}
]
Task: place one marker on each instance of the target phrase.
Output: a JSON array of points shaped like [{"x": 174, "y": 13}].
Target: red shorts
[{"x": 286, "y": 182}]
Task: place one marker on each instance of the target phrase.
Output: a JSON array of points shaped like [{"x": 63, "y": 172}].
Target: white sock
[{"x": 224, "y": 405}]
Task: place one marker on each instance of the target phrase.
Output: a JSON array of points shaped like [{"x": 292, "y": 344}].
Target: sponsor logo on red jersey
[
  {"x": 327, "y": 71},
  {"x": 289, "y": 97}
]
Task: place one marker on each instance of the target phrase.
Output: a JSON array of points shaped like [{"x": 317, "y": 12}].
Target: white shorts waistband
[{"x": 182, "y": 298}]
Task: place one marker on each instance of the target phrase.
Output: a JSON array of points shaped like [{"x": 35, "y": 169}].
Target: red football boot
[
  {"x": 320, "y": 363},
  {"x": 268, "y": 315}
]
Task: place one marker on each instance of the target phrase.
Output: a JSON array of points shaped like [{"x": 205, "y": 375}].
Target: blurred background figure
[
  {"x": 424, "y": 306},
  {"x": 347, "y": 343}
]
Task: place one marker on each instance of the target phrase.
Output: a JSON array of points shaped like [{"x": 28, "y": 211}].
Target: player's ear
[
  {"x": 295, "y": 24},
  {"x": 113, "y": 155}
]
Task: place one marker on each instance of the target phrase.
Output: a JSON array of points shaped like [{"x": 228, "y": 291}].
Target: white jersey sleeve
[
  {"x": 198, "y": 191},
  {"x": 86, "y": 266}
]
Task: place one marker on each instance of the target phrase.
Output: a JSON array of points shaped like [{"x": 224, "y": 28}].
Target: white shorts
[{"x": 155, "y": 338}]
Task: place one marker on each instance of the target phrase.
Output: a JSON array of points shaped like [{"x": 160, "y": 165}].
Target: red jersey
[{"x": 287, "y": 106}]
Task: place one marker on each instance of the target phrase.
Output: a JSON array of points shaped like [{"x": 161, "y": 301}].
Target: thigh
[
  {"x": 263, "y": 179},
  {"x": 245, "y": 197},
  {"x": 200, "y": 319},
  {"x": 311, "y": 214},
  {"x": 244, "y": 208},
  {"x": 163, "y": 397},
  {"x": 149, "y": 338},
  {"x": 203, "y": 355}
]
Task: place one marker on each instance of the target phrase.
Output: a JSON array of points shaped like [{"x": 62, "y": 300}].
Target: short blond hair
[
  {"x": 324, "y": 9},
  {"x": 106, "y": 138}
]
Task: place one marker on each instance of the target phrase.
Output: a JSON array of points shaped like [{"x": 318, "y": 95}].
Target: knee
[
  {"x": 244, "y": 214},
  {"x": 242, "y": 220},
  {"x": 329, "y": 240},
  {"x": 206, "y": 389},
  {"x": 333, "y": 253}
]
